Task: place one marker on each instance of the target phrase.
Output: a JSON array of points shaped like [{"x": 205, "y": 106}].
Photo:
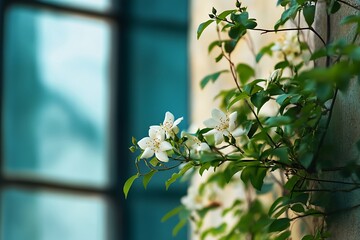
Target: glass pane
[
  {"x": 48, "y": 216},
  {"x": 98, "y": 5},
  {"x": 170, "y": 11},
  {"x": 160, "y": 204},
  {"x": 56, "y": 91}
]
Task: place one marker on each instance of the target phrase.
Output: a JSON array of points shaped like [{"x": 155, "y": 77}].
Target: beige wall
[{"x": 203, "y": 64}]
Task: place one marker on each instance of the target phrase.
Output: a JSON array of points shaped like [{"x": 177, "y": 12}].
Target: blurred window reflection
[
  {"x": 67, "y": 66},
  {"x": 98, "y": 5},
  {"x": 37, "y": 216},
  {"x": 55, "y": 96}
]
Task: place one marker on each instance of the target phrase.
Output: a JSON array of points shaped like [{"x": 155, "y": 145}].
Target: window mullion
[{"x": 112, "y": 16}]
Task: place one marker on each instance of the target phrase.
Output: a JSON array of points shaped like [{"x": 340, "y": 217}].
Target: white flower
[
  {"x": 289, "y": 46},
  {"x": 196, "y": 200},
  {"x": 223, "y": 125},
  {"x": 155, "y": 143},
  {"x": 193, "y": 200},
  {"x": 169, "y": 126},
  {"x": 195, "y": 144},
  {"x": 275, "y": 76}
]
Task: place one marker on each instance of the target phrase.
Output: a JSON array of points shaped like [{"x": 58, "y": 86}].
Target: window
[{"x": 76, "y": 77}]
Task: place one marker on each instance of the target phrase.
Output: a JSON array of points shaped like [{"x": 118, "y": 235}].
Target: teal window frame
[{"x": 121, "y": 210}]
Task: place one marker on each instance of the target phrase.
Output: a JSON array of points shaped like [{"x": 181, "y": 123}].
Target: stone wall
[{"x": 344, "y": 132}]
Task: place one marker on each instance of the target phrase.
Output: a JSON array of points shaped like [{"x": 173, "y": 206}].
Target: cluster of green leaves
[{"x": 289, "y": 141}]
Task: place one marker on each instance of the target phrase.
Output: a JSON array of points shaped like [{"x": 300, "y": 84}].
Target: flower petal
[
  {"x": 162, "y": 156},
  {"x": 169, "y": 118},
  {"x": 218, "y": 138},
  {"x": 164, "y": 146},
  {"x": 147, "y": 153},
  {"x": 175, "y": 129},
  {"x": 238, "y": 132},
  {"x": 203, "y": 147},
  {"x": 218, "y": 115},
  {"x": 155, "y": 131},
  {"x": 145, "y": 143},
  {"x": 211, "y": 123},
  {"x": 232, "y": 121},
  {"x": 211, "y": 132},
  {"x": 177, "y": 121}
]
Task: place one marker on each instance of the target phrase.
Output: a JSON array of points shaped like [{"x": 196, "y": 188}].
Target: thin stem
[
  {"x": 327, "y": 190},
  {"x": 330, "y": 181},
  {"x": 307, "y": 215},
  {"x": 264, "y": 31},
  {"x": 235, "y": 78},
  {"x": 325, "y": 131},
  {"x": 326, "y": 213}
]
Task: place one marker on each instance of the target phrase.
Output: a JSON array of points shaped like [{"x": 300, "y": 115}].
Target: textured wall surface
[{"x": 344, "y": 132}]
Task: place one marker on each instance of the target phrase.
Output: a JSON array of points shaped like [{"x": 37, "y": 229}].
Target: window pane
[
  {"x": 99, "y": 5},
  {"x": 160, "y": 204},
  {"x": 170, "y": 11},
  {"x": 56, "y": 91},
  {"x": 44, "y": 216}
]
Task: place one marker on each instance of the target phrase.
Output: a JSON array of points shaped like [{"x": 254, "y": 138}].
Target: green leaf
[
  {"x": 237, "y": 98},
  {"x": 252, "y": 86},
  {"x": 179, "y": 226},
  {"x": 255, "y": 174},
  {"x": 172, "y": 213},
  {"x": 245, "y": 72},
  {"x": 335, "y": 7},
  {"x": 209, "y": 157},
  {"x": 299, "y": 208},
  {"x": 308, "y": 237},
  {"x": 214, "y": 44},
  {"x": 259, "y": 99},
  {"x": 214, "y": 231},
  {"x": 282, "y": 2},
  {"x": 282, "y": 153},
  {"x": 175, "y": 176},
  {"x": 154, "y": 162},
  {"x": 212, "y": 77},
  {"x": 291, "y": 183},
  {"x": 263, "y": 51},
  {"x": 251, "y": 24},
  {"x": 309, "y": 14},
  {"x": 283, "y": 236},
  {"x": 279, "y": 202},
  {"x": 202, "y": 27},
  {"x": 350, "y": 19},
  {"x": 286, "y": 15},
  {"x": 237, "y": 31},
  {"x": 132, "y": 149},
  {"x": 218, "y": 58},
  {"x": 278, "y": 121},
  {"x": 147, "y": 177},
  {"x": 279, "y": 225},
  {"x": 224, "y": 14},
  {"x": 282, "y": 65},
  {"x": 128, "y": 184},
  {"x": 306, "y": 159},
  {"x": 230, "y": 45}
]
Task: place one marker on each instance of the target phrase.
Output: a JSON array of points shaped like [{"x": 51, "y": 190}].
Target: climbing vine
[{"x": 277, "y": 155}]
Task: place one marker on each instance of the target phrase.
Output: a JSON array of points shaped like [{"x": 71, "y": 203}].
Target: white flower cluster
[
  {"x": 223, "y": 125},
  {"x": 288, "y": 45},
  {"x": 156, "y": 143}
]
